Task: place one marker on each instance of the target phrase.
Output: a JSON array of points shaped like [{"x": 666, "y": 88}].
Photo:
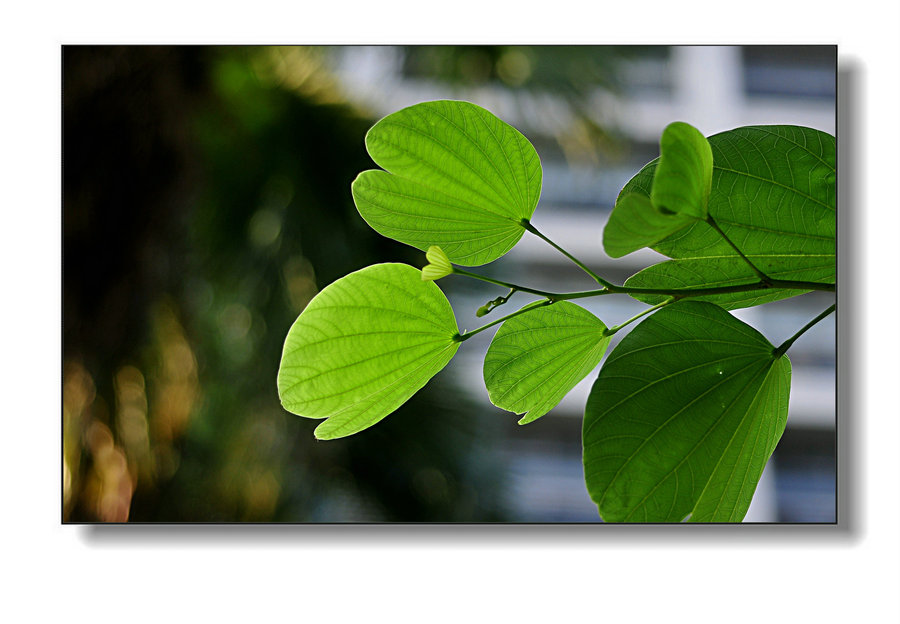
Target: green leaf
[
  {"x": 536, "y": 358},
  {"x": 635, "y": 224},
  {"x": 773, "y": 194},
  {"x": 730, "y": 488},
  {"x": 680, "y": 186},
  {"x": 682, "y": 418},
  {"x": 715, "y": 271},
  {"x": 455, "y": 176},
  {"x": 683, "y": 175},
  {"x": 363, "y": 346},
  {"x": 438, "y": 264}
]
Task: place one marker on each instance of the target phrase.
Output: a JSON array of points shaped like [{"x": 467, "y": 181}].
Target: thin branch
[
  {"x": 787, "y": 343},
  {"x": 612, "y": 289},
  {"x": 531, "y": 306},
  {"x": 527, "y": 225},
  {"x": 612, "y": 330}
]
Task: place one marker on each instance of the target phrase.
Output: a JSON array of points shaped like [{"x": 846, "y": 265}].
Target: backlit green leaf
[
  {"x": 679, "y": 190},
  {"x": 454, "y": 175},
  {"x": 536, "y": 358},
  {"x": 363, "y": 346},
  {"x": 438, "y": 264},
  {"x": 683, "y": 175},
  {"x": 773, "y": 194},
  {"x": 683, "y": 417},
  {"x": 635, "y": 224}
]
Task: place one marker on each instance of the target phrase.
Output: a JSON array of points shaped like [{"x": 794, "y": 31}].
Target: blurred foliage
[
  {"x": 206, "y": 200},
  {"x": 572, "y": 73}
]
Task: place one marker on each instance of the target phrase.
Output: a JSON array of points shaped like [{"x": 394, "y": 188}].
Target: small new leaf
[
  {"x": 438, "y": 264},
  {"x": 635, "y": 223}
]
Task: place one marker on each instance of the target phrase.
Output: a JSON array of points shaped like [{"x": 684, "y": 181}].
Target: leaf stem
[
  {"x": 787, "y": 343},
  {"x": 531, "y": 306},
  {"x": 712, "y": 222},
  {"x": 612, "y": 289},
  {"x": 529, "y": 227},
  {"x": 491, "y": 280},
  {"x": 612, "y": 330}
]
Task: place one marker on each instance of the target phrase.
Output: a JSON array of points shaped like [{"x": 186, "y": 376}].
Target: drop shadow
[
  {"x": 417, "y": 535},
  {"x": 850, "y": 363}
]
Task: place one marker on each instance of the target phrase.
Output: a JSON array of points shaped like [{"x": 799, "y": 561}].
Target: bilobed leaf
[
  {"x": 536, "y": 358},
  {"x": 679, "y": 192},
  {"x": 683, "y": 175},
  {"x": 773, "y": 195},
  {"x": 454, "y": 175},
  {"x": 363, "y": 346},
  {"x": 683, "y": 417}
]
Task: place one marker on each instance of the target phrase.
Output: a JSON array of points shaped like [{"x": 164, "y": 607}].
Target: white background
[{"x": 469, "y": 574}]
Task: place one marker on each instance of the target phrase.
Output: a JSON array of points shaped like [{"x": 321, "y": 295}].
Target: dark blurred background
[{"x": 206, "y": 199}]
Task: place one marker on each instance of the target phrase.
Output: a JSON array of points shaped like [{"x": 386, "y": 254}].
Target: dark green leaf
[
  {"x": 682, "y": 418},
  {"x": 455, "y": 176},
  {"x": 363, "y": 346},
  {"x": 730, "y": 488},
  {"x": 773, "y": 195}
]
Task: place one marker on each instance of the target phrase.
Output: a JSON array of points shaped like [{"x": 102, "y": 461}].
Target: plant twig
[
  {"x": 680, "y": 293},
  {"x": 527, "y": 225},
  {"x": 612, "y": 330},
  {"x": 531, "y": 306},
  {"x": 784, "y": 346}
]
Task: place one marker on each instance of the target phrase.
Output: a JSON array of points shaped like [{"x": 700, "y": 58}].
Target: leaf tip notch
[
  {"x": 449, "y": 169},
  {"x": 530, "y": 417}
]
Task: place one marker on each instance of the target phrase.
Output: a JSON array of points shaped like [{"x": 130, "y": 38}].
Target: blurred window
[{"x": 790, "y": 71}]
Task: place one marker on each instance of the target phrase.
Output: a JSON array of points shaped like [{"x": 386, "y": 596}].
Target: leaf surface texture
[
  {"x": 773, "y": 195},
  {"x": 363, "y": 346},
  {"x": 536, "y": 358},
  {"x": 682, "y": 418},
  {"x": 454, "y": 175}
]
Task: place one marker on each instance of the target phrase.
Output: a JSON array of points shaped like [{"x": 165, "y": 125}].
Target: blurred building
[{"x": 589, "y": 151}]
